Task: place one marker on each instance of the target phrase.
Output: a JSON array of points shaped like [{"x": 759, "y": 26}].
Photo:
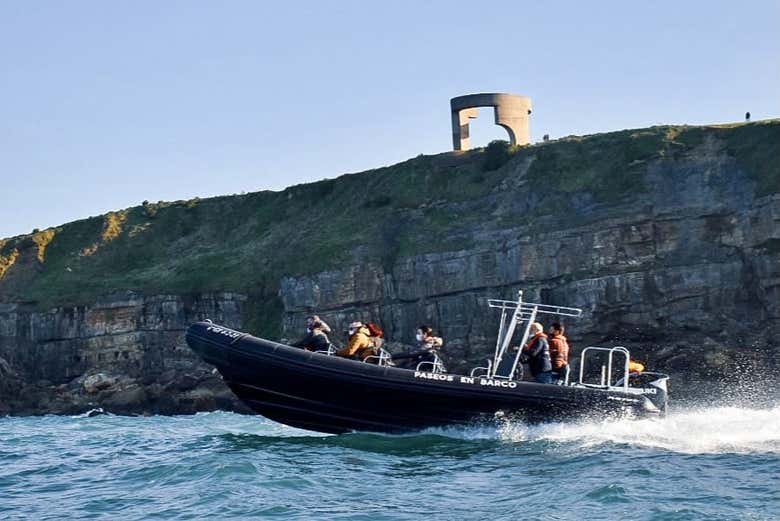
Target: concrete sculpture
[{"x": 511, "y": 112}]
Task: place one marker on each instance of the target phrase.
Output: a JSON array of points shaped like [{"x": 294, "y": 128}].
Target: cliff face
[
  {"x": 125, "y": 352},
  {"x": 668, "y": 237}
]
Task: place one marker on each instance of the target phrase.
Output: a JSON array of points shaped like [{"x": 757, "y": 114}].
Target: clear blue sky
[{"x": 105, "y": 104}]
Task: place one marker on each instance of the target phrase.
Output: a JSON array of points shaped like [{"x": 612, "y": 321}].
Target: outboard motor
[
  {"x": 660, "y": 399},
  {"x": 654, "y": 388}
]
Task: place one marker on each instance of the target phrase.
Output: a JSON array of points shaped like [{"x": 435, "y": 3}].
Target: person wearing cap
[
  {"x": 360, "y": 345},
  {"x": 316, "y": 338}
]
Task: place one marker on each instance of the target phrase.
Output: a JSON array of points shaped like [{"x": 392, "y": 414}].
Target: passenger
[
  {"x": 316, "y": 338},
  {"x": 376, "y": 334},
  {"x": 426, "y": 339},
  {"x": 428, "y": 348},
  {"x": 559, "y": 352},
  {"x": 635, "y": 367},
  {"x": 360, "y": 345},
  {"x": 536, "y": 353}
]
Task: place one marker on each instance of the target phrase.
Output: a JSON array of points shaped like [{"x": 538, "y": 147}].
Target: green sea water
[{"x": 715, "y": 463}]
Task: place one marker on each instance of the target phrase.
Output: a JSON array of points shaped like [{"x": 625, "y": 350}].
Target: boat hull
[{"x": 335, "y": 395}]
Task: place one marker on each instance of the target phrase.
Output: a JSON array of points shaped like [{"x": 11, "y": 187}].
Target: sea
[{"x": 714, "y": 463}]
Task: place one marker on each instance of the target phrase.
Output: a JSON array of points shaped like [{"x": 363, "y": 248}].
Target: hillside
[{"x": 664, "y": 232}]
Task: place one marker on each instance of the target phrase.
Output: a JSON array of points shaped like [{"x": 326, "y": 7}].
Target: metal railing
[
  {"x": 566, "y": 376},
  {"x": 383, "y": 358},
  {"x": 486, "y": 368},
  {"x": 526, "y": 307},
  {"x": 330, "y": 351},
  {"x": 436, "y": 365},
  {"x": 606, "y": 370}
]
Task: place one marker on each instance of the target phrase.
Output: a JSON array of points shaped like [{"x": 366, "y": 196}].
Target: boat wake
[{"x": 692, "y": 431}]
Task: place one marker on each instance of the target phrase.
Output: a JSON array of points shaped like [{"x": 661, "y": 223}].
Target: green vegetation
[
  {"x": 8, "y": 260},
  {"x": 610, "y": 166},
  {"x": 42, "y": 240},
  {"x": 247, "y": 243},
  {"x": 497, "y": 154},
  {"x": 756, "y": 147}
]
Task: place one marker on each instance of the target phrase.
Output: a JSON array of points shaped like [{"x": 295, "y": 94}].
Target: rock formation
[{"x": 668, "y": 237}]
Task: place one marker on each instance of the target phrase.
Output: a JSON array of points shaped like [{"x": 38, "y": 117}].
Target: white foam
[
  {"x": 699, "y": 431},
  {"x": 715, "y": 430}
]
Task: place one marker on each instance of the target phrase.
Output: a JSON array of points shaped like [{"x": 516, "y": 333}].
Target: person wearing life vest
[
  {"x": 316, "y": 338},
  {"x": 559, "y": 352},
  {"x": 536, "y": 353},
  {"x": 635, "y": 367},
  {"x": 360, "y": 345}
]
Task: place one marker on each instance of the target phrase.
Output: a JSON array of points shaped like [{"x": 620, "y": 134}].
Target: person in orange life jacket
[
  {"x": 536, "y": 353},
  {"x": 635, "y": 367},
  {"x": 559, "y": 352},
  {"x": 427, "y": 346},
  {"x": 360, "y": 345},
  {"x": 316, "y": 338}
]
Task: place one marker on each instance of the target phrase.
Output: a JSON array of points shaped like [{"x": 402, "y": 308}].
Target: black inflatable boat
[{"x": 321, "y": 392}]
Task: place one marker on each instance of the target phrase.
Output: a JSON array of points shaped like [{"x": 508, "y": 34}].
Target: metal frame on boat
[{"x": 519, "y": 313}]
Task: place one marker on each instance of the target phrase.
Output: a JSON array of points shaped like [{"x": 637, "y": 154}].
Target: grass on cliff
[{"x": 247, "y": 243}]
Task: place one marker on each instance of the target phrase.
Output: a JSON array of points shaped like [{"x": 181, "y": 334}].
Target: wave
[
  {"x": 718, "y": 430},
  {"x": 702, "y": 430}
]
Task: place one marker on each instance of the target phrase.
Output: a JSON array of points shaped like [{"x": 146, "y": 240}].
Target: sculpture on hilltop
[{"x": 511, "y": 112}]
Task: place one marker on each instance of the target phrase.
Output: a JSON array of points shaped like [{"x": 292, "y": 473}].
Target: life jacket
[
  {"x": 559, "y": 351},
  {"x": 635, "y": 367},
  {"x": 540, "y": 361},
  {"x": 533, "y": 339}
]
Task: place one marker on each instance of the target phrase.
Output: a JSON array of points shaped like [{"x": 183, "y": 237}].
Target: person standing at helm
[
  {"x": 537, "y": 354},
  {"x": 360, "y": 345},
  {"x": 559, "y": 352}
]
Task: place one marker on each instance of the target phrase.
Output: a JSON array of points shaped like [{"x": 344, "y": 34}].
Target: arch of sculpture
[{"x": 511, "y": 112}]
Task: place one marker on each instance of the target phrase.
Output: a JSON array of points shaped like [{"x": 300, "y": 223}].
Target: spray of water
[
  {"x": 708, "y": 430},
  {"x": 692, "y": 431}
]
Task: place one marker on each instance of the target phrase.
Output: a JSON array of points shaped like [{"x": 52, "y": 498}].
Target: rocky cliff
[
  {"x": 124, "y": 352},
  {"x": 668, "y": 237}
]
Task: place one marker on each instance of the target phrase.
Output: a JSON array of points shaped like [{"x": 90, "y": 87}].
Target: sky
[{"x": 106, "y": 104}]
